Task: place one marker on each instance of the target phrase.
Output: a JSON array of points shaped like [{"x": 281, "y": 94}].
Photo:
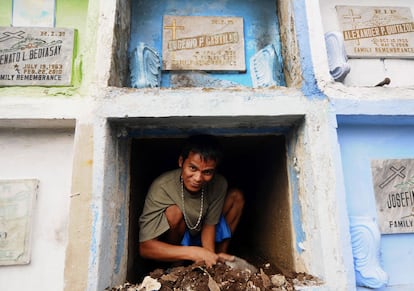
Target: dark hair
[{"x": 206, "y": 145}]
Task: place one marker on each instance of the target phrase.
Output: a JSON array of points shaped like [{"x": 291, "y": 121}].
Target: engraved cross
[
  {"x": 397, "y": 172},
  {"x": 8, "y": 35},
  {"x": 174, "y": 28},
  {"x": 352, "y": 16}
]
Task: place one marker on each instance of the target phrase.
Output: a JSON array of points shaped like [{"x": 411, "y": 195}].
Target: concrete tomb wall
[
  {"x": 369, "y": 71},
  {"x": 361, "y": 143},
  {"x": 261, "y": 29},
  {"x": 45, "y": 155}
]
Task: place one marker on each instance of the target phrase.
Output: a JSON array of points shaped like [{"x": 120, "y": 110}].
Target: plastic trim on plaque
[
  {"x": 266, "y": 70},
  {"x": 337, "y": 58},
  {"x": 145, "y": 66},
  {"x": 365, "y": 238}
]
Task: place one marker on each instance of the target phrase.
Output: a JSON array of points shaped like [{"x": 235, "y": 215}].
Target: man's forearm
[
  {"x": 158, "y": 250},
  {"x": 161, "y": 251},
  {"x": 208, "y": 237}
]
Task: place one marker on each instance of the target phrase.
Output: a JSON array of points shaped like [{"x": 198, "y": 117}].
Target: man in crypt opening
[{"x": 189, "y": 213}]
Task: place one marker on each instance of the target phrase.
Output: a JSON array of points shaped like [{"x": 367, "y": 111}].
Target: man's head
[
  {"x": 198, "y": 161},
  {"x": 206, "y": 145}
]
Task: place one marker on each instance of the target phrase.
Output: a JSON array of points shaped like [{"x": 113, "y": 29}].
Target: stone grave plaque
[
  {"x": 203, "y": 43},
  {"x": 36, "y": 56},
  {"x": 394, "y": 194},
  {"x": 377, "y": 32},
  {"x": 16, "y": 206}
]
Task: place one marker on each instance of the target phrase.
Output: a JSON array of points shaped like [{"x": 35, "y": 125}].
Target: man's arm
[
  {"x": 208, "y": 237},
  {"x": 208, "y": 241},
  {"x": 158, "y": 250}
]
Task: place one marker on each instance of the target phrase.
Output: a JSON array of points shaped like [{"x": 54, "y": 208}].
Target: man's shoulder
[
  {"x": 167, "y": 177},
  {"x": 219, "y": 182}
]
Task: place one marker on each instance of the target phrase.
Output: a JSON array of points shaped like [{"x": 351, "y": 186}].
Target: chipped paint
[{"x": 309, "y": 85}]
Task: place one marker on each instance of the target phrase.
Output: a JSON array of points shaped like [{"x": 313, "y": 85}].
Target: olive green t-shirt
[{"x": 166, "y": 191}]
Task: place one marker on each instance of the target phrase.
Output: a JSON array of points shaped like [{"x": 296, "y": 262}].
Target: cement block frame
[
  {"x": 320, "y": 222},
  {"x": 322, "y": 241}
]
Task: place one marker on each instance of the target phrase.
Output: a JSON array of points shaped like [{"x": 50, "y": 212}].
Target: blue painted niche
[
  {"x": 261, "y": 27},
  {"x": 361, "y": 140}
]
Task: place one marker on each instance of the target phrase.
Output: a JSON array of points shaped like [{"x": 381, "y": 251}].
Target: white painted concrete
[
  {"x": 46, "y": 155},
  {"x": 326, "y": 247},
  {"x": 325, "y": 250}
]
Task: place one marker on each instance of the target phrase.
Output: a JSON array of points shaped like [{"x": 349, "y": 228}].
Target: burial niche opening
[{"x": 256, "y": 164}]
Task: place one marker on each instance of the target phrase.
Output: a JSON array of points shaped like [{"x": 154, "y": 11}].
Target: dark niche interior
[{"x": 256, "y": 164}]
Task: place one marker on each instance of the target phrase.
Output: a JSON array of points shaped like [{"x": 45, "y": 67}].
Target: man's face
[{"x": 196, "y": 171}]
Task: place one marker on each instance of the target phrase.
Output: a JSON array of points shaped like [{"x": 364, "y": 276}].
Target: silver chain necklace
[{"x": 187, "y": 221}]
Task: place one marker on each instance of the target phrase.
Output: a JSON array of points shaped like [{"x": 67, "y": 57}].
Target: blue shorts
[{"x": 222, "y": 232}]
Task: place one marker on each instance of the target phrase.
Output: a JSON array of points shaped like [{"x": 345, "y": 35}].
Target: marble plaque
[
  {"x": 377, "y": 32},
  {"x": 17, "y": 199},
  {"x": 394, "y": 194},
  {"x": 36, "y": 56},
  {"x": 203, "y": 43}
]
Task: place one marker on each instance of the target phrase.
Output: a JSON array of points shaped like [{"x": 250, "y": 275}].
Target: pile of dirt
[{"x": 199, "y": 277}]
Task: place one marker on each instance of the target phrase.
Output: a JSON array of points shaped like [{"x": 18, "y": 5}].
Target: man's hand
[
  {"x": 210, "y": 258},
  {"x": 200, "y": 254},
  {"x": 223, "y": 257},
  {"x": 157, "y": 250}
]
